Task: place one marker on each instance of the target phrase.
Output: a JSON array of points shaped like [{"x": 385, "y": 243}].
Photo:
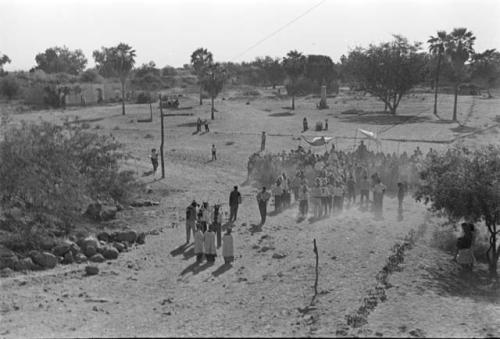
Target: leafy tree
[
  {"x": 116, "y": 61},
  {"x": 466, "y": 184},
  {"x": 61, "y": 60},
  {"x": 147, "y": 77},
  {"x": 387, "y": 71},
  {"x": 213, "y": 82},
  {"x": 9, "y": 87},
  {"x": 486, "y": 68},
  {"x": 201, "y": 59},
  {"x": 272, "y": 70},
  {"x": 436, "y": 47},
  {"x": 320, "y": 68},
  {"x": 294, "y": 65},
  {"x": 90, "y": 75},
  {"x": 459, "y": 50},
  {"x": 4, "y": 59}
]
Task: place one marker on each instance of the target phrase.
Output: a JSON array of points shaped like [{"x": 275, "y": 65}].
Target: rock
[
  {"x": 143, "y": 203},
  {"x": 44, "y": 259},
  {"x": 61, "y": 249},
  {"x": 141, "y": 238},
  {"x": 119, "y": 246},
  {"x": 68, "y": 258},
  {"x": 74, "y": 249},
  {"x": 90, "y": 251},
  {"x": 7, "y": 258},
  {"x": 6, "y": 272},
  {"x": 278, "y": 256},
  {"x": 110, "y": 252},
  {"x": 119, "y": 207},
  {"x": 80, "y": 257},
  {"x": 91, "y": 270},
  {"x": 97, "y": 258},
  {"x": 103, "y": 236},
  {"x": 47, "y": 243},
  {"x": 24, "y": 264},
  {"x": 100, "y": 212},
  {"x": 129, "y": 236}
]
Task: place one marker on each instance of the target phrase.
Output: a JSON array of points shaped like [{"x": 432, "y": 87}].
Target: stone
[
  {"x": 90, "y": 251},
  {"x": 103, "y": 236},
  {"x": 25, "y": 264},
  {"x": 108, "y": 212},
  {"x": 97, "y": 258},
  {"x": 68, "y": 258},
  {"x": 74, "y": 249},
  {"x": 110, "y": 252},
  {"x": 141, "y": 238},
  {"x": 80, "y": 257},
  {"x": 61, "y": 249},
  {"x": 119, "y": 246},
  {"x": 7, "y": 258},
  {"x": 91, "y": 270},
  {"x": 278, "y": 256},
  {"x": 44, "y": 259},
  {"x": 6, "y": 272},
  {"x": 100, "y": 212},
  {"x": 129, "y": 236}
]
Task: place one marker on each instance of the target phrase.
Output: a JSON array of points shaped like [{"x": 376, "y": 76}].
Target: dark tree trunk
[
  {"x": 436, "y": 85},
  {"x": 201, "y": 94},
  {"x": 455, "y": 103},
  {"x": 123, "y": 97},
  {"x": 493, "y": 259},
  {"x": 293, "y": 101},
  {"x": 213, "y": 108}
]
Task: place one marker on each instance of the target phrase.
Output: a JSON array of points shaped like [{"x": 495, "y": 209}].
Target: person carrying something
[
  {"x": 234, "y": 202},
  {"x": 154, "y": 161},
  {"x": 190, "y": 220},
  {"x": 262, "y": 199}
]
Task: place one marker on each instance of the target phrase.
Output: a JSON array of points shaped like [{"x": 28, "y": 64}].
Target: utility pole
[{"x": 162, "y": 141}]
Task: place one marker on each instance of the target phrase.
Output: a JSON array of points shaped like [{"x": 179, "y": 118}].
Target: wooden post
[
  {"x": 151, "y": 111},
  {"x": 315, "y": 249},
  {"x": 162, "y": 142}
]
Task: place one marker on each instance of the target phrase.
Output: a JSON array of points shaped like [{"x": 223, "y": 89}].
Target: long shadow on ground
[
  {"x": 382, "y": 119},
  {"x": 222, "y": 269}
]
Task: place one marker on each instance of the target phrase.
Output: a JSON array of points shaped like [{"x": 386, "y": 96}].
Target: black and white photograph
[{"x": 249, "y": 168}]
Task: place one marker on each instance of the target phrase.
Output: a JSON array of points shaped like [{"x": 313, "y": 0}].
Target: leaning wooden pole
[
  {"x": 315, "y": 249},
  {"x": 162, "y": 142}
]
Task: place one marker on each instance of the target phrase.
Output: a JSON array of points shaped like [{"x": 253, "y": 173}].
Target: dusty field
[{"x": 154, "y": 291}]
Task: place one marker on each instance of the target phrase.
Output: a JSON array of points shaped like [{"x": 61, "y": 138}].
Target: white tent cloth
[{"x": 318, "y": 141}]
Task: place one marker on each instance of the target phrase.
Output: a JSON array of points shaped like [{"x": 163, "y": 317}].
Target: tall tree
[
  {"x": 201, "y": 59},
  {"x": 387, "y": 71},
  {"x": 436, "y": 48},
  {"x": 486, "y": 69},
  {"x": 61, "y": 60},
  {"x": 294, "y": 65},
  {"x": 213, "y": 82},
  {"x": 4, "y": 59},
  {"x": 116, "y": 61},
  {"x": 459, "y": 49}
]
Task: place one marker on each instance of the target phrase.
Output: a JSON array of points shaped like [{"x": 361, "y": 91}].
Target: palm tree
[
  {"x": 458, "y": 49},
  {"x": 436, "y": 47},
  {"x": 201, "y": 59},
  {"x": 294, "y": 65},
  {"x": 125, "y": 62}
]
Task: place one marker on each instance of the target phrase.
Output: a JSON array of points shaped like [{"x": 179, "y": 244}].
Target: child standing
[
  {"x": 198, "y": 244},
  {"x": 209, "y": 243},
  {"x": 214, "y": 153},
  {"x": 227, "y": 247}
]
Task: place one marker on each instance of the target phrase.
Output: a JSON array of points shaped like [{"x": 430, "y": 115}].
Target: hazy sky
[{"x": 168, "y": 31}]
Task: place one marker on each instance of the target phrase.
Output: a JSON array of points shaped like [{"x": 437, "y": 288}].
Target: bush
[
  {"x": 319, "y": 126},
  {"x": 144, "y": 98},
  {"x": 92, "y": 76},
  {"x": 50, "y": 170},
  {"x": 9, "y": 87}
]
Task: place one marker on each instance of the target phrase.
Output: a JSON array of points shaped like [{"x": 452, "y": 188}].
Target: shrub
[
  {"x": 92, "y": 76},
  {"x": 319, "y": 126},
  {"x": 144, "y": 98},
  {"x": 51, "y": 170},
  {"x": 9, "y": 87}
]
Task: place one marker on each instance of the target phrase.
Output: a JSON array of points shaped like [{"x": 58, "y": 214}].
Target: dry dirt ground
[{"x": 155, "y": 290}]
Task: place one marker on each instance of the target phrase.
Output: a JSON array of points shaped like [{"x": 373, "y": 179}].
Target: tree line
[{"x": 387, "y": 70}]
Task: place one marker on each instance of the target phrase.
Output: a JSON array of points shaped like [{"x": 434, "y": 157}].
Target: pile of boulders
[{"x": 104, "y": 246}]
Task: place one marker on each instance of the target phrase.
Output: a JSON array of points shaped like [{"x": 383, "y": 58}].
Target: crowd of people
[{"x": 325, "y": 182}]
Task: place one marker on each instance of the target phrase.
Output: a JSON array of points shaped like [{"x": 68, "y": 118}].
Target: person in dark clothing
[
  {"x": 234, "y": 201},
  {"x": 304, "y": 124}
]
